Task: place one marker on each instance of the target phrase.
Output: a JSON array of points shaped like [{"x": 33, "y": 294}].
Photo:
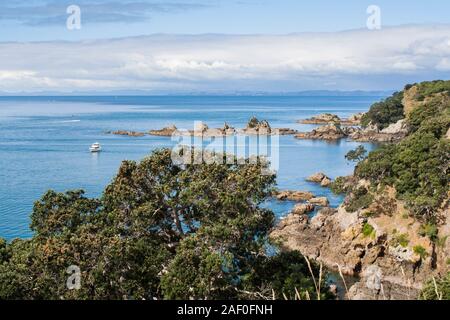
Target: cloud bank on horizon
[{"x": 351, "y": 60}]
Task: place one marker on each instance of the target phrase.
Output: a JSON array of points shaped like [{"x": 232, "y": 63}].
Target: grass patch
[
  {"x": 368, "y": 230},
  {"x": 400, "y": 239},
  {"x": 420, "y": 251}
]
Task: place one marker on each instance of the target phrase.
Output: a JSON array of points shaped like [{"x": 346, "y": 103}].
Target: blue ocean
[{"x": 44, "y": 142}]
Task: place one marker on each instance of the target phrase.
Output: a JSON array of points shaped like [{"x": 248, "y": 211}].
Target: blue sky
[
  {"x": 221, "y": 46},
  {"x": 36, "y": 20}
]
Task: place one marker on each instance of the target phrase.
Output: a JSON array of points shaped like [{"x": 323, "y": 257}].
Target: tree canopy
[
  {"x": 386, "y": 112},
  {"x": 418, "y": 166},
  {"x": 159, "y": 231}
]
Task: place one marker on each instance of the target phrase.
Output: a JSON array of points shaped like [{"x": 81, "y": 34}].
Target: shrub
[
  {"x": 426, "y": 89},
  {"x": 400, "y": 239},
  {"x": 360, "y": 199},
  {"x": 437, "y": 289},
  {"x": 420, "y": 251},
  {"x": 429, "y": 230},
  {"x": 418, "y": 167},
  {"x": 356, "y": 155},
  {"x": 340, "y": 185},
  {"x": 385, "y": 112},
  {"x": 368, "y": 230}
]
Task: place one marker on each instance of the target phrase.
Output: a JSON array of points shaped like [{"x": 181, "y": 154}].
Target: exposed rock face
[
  {"x": 254, "y": 127},
  {"x": 228, "y": 130},
  {"x": 336, "y": 237},
  {"x": 326, "y": 182},
  {"x": 320, "y": 201},
  {"x": 398, "y": 128},
  {"x": 325, "y": 118},
  {"x": 395, "y": 132},
  {"x": 128, "y": 133},
  {"x": 328, "y": 118},
  {"x": 327, "y": 132},
  {"x": 332, "y": 130},
  {"x": 372, "y": 286},
  {"x": 317, "y": 177},
  {"x": 293, "y": 195},
  {"x": 303, "y": 208},
  {"x": 353, "y": 119},
  {"x": 320, "y": 178},
  {"x": 165, "y": 132},
  {"x": 447, "y": 136}
]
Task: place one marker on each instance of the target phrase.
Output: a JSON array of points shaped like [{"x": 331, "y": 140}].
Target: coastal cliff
[{"x": 393, "y": 228}]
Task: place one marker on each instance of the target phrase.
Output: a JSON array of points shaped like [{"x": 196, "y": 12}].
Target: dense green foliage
[
  {"x": 437, "y": 289},
  {"x": 386, "y": 112},
  {"x": 419, "y": 166},
  {"x": 159, "y": 231},
  {"x": 368, "y": 230},
  {"x": 340, "y": 185},
  {"x": 357, "y": 154},
  {"x": 361, "y": 199},
  {"x": 427, "y": 89}
]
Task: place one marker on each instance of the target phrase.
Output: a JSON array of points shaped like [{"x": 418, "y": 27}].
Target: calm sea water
[{"x": 44, "y": 142}]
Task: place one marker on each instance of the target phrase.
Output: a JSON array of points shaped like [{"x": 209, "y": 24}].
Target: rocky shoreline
[
  {"x": 338, "y": 239},
  {"x": 329, "y": 118},
  {"x": 333, "y": 128}
]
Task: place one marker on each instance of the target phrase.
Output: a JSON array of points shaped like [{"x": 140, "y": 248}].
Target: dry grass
[
  {"x": 317, "y": 286},
  {"x": 343, "y": 280},
  {"x": 439, "y": 295}
]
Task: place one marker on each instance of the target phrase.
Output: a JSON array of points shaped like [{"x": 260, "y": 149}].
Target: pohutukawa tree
[{"x": 159, "y": 231}]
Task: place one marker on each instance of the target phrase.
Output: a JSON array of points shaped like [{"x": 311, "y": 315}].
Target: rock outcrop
[
  {"x": 254, "y": 127},
  {"x": 296, "y": 196},
  {"x": 164, "y": 132},
  {"x": 328, "y": 118},
  {"x": 286, "y": 131},
  {"x": 319, "y": 201},
  {"x": 326, "y": 182},
  {"x": 395, "y": 132},
  {"x": 325, "y": 118},
  {"x": 364, "y": 247},
  {"x": 320, "y": 178},
  {"x": 303, "y": 208},
  {"x": 327, "y": 132},
  {"x": 353, "y": 120},
  {"x": 317, "y": 177},
  {"x": 128, "y": 133}
]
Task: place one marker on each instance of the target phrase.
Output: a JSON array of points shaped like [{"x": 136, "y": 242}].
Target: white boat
[{"x": 95, "y": 147}]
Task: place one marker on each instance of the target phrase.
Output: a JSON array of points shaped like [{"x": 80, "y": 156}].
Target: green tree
[
  {"x": 356, "y": 155},
  {"x": 159, "y": 230},
  {"x": 386, "y": 112}
]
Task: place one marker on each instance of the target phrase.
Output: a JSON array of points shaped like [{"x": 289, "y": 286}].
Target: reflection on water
[{"x": 95, "y": 158}]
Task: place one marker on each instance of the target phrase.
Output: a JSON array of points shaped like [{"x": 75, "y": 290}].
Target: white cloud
[
  {"x": 444, "y": 65},
  {"x": 202, "y": 62}
]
